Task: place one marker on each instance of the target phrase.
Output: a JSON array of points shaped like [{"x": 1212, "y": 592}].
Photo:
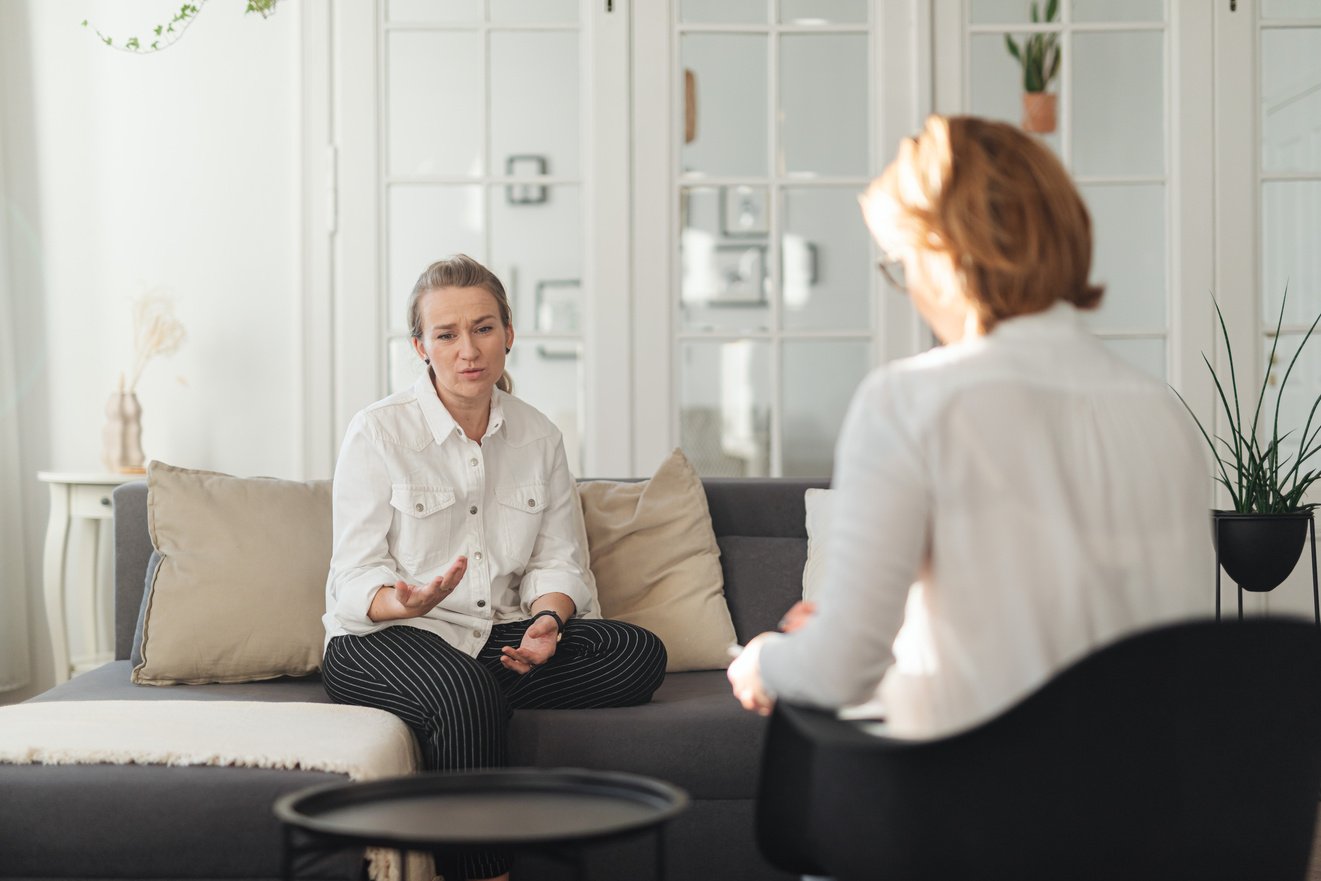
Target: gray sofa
[{"x": 144, "y": 821}]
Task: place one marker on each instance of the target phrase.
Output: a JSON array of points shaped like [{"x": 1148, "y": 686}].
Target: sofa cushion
[
  {"x": 240, "y": 588},
  {"x": 692, "y": 734},
  {"x": 762, "y": 580},
  {"x": 656, "y": 562}
]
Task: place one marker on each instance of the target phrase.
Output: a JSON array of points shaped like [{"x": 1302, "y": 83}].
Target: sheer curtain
[{"x": 14, "y": 664}]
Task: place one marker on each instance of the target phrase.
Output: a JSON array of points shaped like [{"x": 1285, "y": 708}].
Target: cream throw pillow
[
  {"x": 241, "y": 586},
  {"x": 657, "y": 565}
]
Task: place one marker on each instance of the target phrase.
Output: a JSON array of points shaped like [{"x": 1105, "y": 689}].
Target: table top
[
  {"x": 95, "y": 478},
  {"x": 504, "y": 806}
]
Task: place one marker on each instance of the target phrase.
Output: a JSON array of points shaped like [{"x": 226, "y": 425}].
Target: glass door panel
[
  {"x": 1118, "y": 10},
  {"x": 820, "y": 377},
  {"x": 1148, "y": 355},
  {"x": 823, "y": 89},
  {"x": 725, "y": 84},
  {"x": 826, "y": 268},
  {"x": 1117, "y": 114},
  {"x": 1128, "y": 255},
  {"x": 427, "y": 136},
  {"x": 724, "y": 273},
  {"x": 820, "y": 12},
  {"x": 1290, "y": 231},
  {"x": 534, "y": 119},
  {"x": 725, "y": 417},
  {"x": 1291, "y": 99}
]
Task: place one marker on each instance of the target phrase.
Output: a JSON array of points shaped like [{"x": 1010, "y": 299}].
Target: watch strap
[{"x": 559, "y": 622}]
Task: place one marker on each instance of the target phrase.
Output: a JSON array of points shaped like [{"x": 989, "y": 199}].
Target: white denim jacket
[{"x": 412, "y": 493}]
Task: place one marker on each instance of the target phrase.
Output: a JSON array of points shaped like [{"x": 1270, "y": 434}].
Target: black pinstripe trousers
[{"x": 459, "y": 707}]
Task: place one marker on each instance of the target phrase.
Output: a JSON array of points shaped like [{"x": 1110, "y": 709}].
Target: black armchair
[{"x": 1186, "y": 752}]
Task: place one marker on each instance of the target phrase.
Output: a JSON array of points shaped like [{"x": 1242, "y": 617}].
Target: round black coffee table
[{"x": 552, "y": 812}]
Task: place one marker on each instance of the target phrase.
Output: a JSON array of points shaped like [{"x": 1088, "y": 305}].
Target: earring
[
  {"x": 426, "y": 361},
  {"x": 508, "y": 350}
]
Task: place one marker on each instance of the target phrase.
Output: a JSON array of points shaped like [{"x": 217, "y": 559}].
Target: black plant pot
[{"x": 1258, "y": 551}]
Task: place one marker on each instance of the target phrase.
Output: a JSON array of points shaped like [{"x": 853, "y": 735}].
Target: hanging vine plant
[{"x": 165, "y": 35}]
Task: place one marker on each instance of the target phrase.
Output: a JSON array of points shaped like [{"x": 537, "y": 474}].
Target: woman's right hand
[{"x": 406, "y": 600}]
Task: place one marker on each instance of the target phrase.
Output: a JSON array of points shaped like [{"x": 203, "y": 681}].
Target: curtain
[{"x": 15, "y": 669}]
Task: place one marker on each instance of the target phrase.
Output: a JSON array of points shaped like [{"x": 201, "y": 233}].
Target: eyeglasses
[{"x": 893, "y": 271}]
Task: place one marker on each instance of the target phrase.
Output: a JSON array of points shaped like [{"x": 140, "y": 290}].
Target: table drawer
[{"x": 91, "y": 501}]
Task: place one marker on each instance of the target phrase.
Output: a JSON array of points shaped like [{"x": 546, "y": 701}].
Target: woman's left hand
[
  {"x": 539, "y": 642},
  {"x": 745, "y": 676}
]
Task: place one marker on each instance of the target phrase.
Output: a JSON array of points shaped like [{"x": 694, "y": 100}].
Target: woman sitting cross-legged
[{"x": 459, "y": 588}]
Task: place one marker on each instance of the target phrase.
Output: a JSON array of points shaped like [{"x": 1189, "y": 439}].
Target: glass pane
[
  {"x": 1290, "y": 9},
  {"x": 725, "y": 407},
  {"x": 826, "y": 265},
  {"x": 423, "y": 73},
  {"x": 1005, "y": 11},
  {"x": 536, "y": 249},
  {"x": 1299, "y": 395},
  {"x": 534, "y": 11},
  {"x": 823, "y": 88},
  {"x": 534, "y": 118},
  {"x": 820, "y": 377},
  {"x": 807, "y": 12},
  {"x": 725, "y": 76},
  {"x": 997, "y": 82},
  {"x": 405, "y": 366},
  {"x": 724, "y": 11},
  {"x": 1290, "y": 230},
  {"x": 1118, "y": 109},
  {"x": 1291, "y": 99},
  {"x": 1146, "y": 355},
  {"x": 1128, "y": 248},
  {"x": 549, "y": 376},
  {"x": 431, "y": 11},
  {"x": 426, "y": 224},
  {"x": 724, "y": 281},
  {"x": 1118, "y": 10}
]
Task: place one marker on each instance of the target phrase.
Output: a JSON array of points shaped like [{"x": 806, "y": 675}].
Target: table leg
[
  {"x": 89, "y": 558},
  {"x": 57, "y": 543},
  {"x": 660, "y": 853}
]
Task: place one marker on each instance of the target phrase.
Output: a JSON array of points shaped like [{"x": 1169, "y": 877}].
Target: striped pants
[{"x": 459, "y": 707}]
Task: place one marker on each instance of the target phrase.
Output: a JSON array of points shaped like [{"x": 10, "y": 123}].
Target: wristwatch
[{"x": 559, "y": 622}]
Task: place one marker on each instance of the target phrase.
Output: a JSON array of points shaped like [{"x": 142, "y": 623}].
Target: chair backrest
[{"x": 1189, "y": 751}]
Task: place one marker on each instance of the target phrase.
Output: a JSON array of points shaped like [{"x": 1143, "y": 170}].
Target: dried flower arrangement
[{"x": 155, "y": 332}]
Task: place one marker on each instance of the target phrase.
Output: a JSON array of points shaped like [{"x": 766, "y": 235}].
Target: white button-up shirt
[
  {"x": 1047, "y": 497},
  {"x": 412, "y": 492}
]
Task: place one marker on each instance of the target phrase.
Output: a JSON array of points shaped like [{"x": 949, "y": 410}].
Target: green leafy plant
[
  {"x": 167, "y": 34},
  {"x": 1040, "y": 54},
  {"x": 1260, "y": 477}
]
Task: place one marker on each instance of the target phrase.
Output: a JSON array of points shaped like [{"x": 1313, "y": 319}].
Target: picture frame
[
  {"x": 744, "y": 212},
  {"x": 740, "y": 275},
  {"x": 556, "y": 306},
  {"x": 526, "y": 165}
]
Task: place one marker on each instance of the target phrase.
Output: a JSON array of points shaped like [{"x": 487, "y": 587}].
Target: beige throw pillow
[
  {"x": 657, "y": 565},
  {"x": 240, "y": 590}
]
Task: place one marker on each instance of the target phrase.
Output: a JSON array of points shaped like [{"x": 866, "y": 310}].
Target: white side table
[{"x": 82, "y": 499}]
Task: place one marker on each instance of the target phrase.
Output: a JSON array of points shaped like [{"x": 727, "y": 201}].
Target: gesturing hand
[
  {"x": 414, "y": 601},
  {"x": 539, "y": 643}
]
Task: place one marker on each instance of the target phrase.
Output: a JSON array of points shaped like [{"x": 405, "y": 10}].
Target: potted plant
[
  {"x": 1040, "y": 59},
  {"x": 1259, "y": 541}
]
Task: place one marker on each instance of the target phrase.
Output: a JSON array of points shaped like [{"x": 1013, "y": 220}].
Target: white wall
[{"x": 176, "y": 171}]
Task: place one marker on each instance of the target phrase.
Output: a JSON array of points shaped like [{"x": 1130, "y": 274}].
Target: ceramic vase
[
  {"x": 121, "y": 439},
  {"x": 1039, "y": 112}
]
